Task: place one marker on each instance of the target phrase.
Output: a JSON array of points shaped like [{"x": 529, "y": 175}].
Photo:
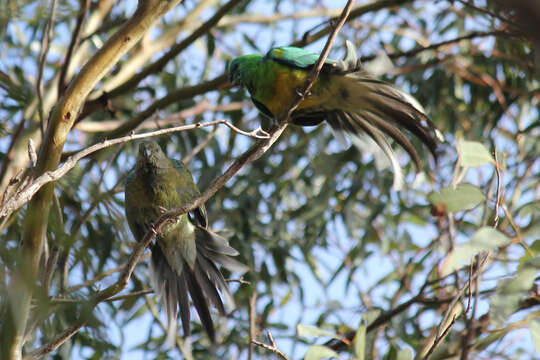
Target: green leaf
[
  {"x": 370, "y": 316},
  {"x": 360, "y": 343},
  {"x": 530, "y": 208},
  {"x": 473, "y": 154},
  {"x": 509, "y": 294},
  {"x": 485, "y": 239},
  {"x": 463, "y": 197},
  {"x": 312, "y": 331},
  {"x": 318, "y": 352},
  {"x": 534, "y": 328}
]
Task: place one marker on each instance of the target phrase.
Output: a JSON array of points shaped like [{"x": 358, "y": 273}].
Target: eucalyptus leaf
[
  {"x": 360, "y": 343},
  {"x": 318, "y": 352},
  {"x": 473, "y": 154},
  {"x": 312, "y": 331},
  {"x": 485, "y": 239},
  {"x": 463, "y": 197},
  {"x": 509, "y": 294}
]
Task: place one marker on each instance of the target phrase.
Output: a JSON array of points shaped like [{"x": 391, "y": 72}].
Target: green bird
[
  {"x": 353, "y": 102},
  {"x": 186, "y": 251}
]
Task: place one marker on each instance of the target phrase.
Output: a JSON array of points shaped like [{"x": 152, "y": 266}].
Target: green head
[
  {"x": 151, "y": 157},
  {"x": 242, "y": 70}
]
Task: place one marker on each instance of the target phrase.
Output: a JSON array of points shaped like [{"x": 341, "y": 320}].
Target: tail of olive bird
[{"x": 172, "y": 280}]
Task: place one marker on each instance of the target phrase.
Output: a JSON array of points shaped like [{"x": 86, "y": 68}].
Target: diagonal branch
[
  {"x": 60, "y": 123},
  {"x": 73, "y": 44},
  {"x": 221, "y": 81},
  {"x": 23, "y": 196},
  {"x": 250, "y": 155},
  {"x": 158, "y": 65}
]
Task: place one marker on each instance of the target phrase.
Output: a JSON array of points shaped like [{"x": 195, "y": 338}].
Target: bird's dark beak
[
  {"x": 144, "y": 150},
  {"x": 231, "y": 79},
  {"x": 232, "y": 72}
]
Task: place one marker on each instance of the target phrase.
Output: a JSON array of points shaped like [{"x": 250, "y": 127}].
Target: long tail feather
[
  {"x": 200, "y": 303},
  {"x": 361, "y": 104},
  {"x": 204, "y": 282}
]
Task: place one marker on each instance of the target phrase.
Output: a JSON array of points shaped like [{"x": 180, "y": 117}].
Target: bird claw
[
  {"x": 162, "y": 209},
  {"x": 299, "y": 93}
]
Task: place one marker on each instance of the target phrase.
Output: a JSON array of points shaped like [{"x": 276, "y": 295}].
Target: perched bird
[
  {"x": 186, "y": 251},
  {"x": 353, "y": 102}
]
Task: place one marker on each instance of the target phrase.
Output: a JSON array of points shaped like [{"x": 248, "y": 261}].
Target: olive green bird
[
  {"x": 353, "y": 102},
  {"x": 186, "y": 252}
]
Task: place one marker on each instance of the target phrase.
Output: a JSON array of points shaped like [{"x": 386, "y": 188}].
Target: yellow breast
[{"x": 287, "y": 83}]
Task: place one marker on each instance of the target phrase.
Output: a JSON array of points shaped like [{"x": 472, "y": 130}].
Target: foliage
[{"x": 340, "y": 263}]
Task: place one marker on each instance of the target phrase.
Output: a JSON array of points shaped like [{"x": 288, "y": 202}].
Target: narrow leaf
[{"x": 360, "y": 343}]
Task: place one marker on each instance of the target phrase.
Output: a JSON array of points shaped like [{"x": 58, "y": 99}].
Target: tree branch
[
  {"x": 24, "y": 195},
  {"x": 272, "y": 347},
  {"x": 253, "y": 153},
  {"x": 158, "y": 65},
  {"x": 60, "y": 122}
]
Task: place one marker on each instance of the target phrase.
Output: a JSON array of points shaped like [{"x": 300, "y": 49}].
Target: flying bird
[
  {"x": 353, "y": 102},
  {"x": 186, "y": 252}
]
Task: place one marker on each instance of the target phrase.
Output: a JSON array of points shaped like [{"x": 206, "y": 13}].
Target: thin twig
[
  {"x": 130, "y": 295},
  {"x": 74, "y": 42},
  {"x": 250, "y": 155},
  {"x": 317, "y": 67},
  {"x": 439, "y": 338},
  {"x": 8, "y": 156},
  {"x": 451, "y": 314},
  {"x": 201, "y": 145},
  {"x": 19, "y": 199},
  {"x": 176, "y": 49},
  {"x": 435, "y": 46},
  {"x": 46, "y": 42},
  {"x": 239, "y": 280},
  {"x": 58, "y": 340},
  {"x": 272, "y": 347},
  {"x": 518, "y": 235},
  {"x": 100, "y": 276},
  {"x": 171, "y": 120},
  {"x": 498, "y": 196},
  {"x": 489, "y": 13},
  {"x": 252, "y": 323}
]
